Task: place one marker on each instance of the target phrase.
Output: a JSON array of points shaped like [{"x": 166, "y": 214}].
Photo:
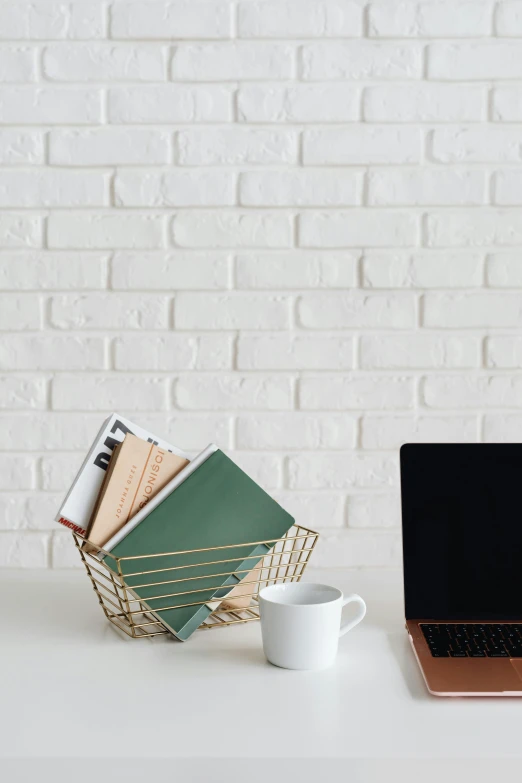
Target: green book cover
[{"x": 218, "y": 505}]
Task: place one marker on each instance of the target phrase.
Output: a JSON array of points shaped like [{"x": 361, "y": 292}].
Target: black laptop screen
[{"x": 462, "y": 531}]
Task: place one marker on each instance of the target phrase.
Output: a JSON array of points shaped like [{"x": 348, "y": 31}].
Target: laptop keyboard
[{"x": 481, "y": 640}]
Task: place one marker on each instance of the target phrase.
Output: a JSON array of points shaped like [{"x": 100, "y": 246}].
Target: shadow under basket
[{"x": 285, "y": 561}]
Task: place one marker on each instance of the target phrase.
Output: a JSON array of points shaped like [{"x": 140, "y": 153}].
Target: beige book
[
  {"x": 241, "y": 596},
  {"x": 137, "y": 471}
]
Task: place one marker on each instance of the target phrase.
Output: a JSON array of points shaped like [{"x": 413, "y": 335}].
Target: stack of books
[{"x": 137, "y": 495}]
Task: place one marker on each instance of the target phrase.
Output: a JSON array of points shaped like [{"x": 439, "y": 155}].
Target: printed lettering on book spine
[
  {"x": 150, "y": 481},
  {"x": 76, "y": 528}
]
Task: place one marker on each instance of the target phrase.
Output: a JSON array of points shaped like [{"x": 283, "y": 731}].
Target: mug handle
[{"x": 345, "y": 627}]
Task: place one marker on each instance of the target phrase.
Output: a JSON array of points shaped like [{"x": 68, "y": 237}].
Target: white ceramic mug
[{"x": 301, "y": 623}]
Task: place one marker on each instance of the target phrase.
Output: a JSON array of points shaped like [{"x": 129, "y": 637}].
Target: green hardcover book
[{"x": 218, "y": 505}]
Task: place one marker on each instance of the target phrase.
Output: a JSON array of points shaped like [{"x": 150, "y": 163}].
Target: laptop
[{"x": 462, "y": 554}]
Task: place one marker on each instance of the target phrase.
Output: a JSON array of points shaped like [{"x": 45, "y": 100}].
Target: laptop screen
[{"x": 462, "y": 531}]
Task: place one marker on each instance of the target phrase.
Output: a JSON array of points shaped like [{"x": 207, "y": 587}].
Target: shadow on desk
[
  {"x": 62, "y": 610},
  {"x": 276, "y": 770},
  {"x": 402, "y": 652}
]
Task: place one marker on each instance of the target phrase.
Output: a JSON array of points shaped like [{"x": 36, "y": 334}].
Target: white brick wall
[{"x": 290, "y": 226}]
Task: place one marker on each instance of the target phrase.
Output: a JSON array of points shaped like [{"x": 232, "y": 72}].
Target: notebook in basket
[{"x": 209, "y": 505}]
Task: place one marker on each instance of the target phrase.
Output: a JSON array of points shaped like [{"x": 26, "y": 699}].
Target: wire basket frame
[{"x": 285, "y": 561}]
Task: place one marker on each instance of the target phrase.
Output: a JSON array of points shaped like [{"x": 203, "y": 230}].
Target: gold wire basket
[{"x": 285, "y": 561}]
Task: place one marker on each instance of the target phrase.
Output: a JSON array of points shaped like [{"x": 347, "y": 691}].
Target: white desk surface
[{"x": 72, "y": 686}]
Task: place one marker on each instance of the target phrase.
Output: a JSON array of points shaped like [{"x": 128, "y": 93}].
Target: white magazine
[{"x": 77, "y": 507}]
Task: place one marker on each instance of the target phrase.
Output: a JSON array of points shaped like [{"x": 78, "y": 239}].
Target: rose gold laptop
[{"x": 462, "y": 549}]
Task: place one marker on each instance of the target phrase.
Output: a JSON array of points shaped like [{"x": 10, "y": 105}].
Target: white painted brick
[
  {"x": 191, "y": 432},
  {"x": 282, "y": 351},
  {"x": 356, "y": 392},
  {"x": 19, "y": 550},
  {"x": 181, "y": 19},
  {"x": 50, "y": 105},
  {"x": 50, "y": 352},
  {"x": 20, "y": 311},
  {"x": 430, "y": 19},
  {"x": 300, "y": 188},
  {"x": 300, "y": 19},
  {"x": 232, "y": 229},
  {"x": 40, "y": 20},
  {"x": 425, "y": 103},
  {"x": 298, "y": 431},
  {"x": 236, "y": 146},
  {"x": 17, "y": 64},
  {"x": 329, "y": 331},
  {"x": 422, "y": 270},
  {"x": 58, "y": 471},
  {"x": 508, "y": 187},
  {"x": 53, "y": 188},
  {"x": 342, "y": 471},
  {"x": 20, "y": 231},
  {"x": 46, "y": 431},
  {"x": 412, "y": 351},
  {"x": 296, "y": 270},
  {"x": 508, "y": 18},
  {"x": 352, "y": 229},
  {"x": 265, "y": 469},
  {"x": 46, "y": 270},
  {"x": 504, "y": 270},
  {"x": 477, "y": 145},
  {"x": 166, "y": 271},
  {"x": 313, "y": 509},
  {"x": 361, "y": 60},
  {"x": 174, "y": 352},
  {"x": 298, "y": 103},
  {"x": 418, "y": 187},
  {"x": 373, "y": 511},
  {"x": 362, "y": 144},
  {"x": 234, "y": 392},
  {"x": 356, "y": 548},
  {"x": 21, "y": 147},
  {"x": 232, "y": 311},
  {"x": 63, "y": 551},
  {"x": 354, "y": 309},
  {"x": 230, "y": 61},
  {"x": 467, "y": 391},
  {"x": 504, "y": 351},
  {"x": 33, "y": 512},
  {"x": 138, "y": 188},
  {"x": 379, "y": 432},
  {"x": 98, "y": 62},
  {"x": 503, "y": 429},
  {"x": 102, "y": 393},
  {"x": 507, "y": 103},
  {"x": 476, "y": 228},
  {"x": 109, "y": 311},
  {"x": 11, "y": 511},
  {"x": 108, "y": 146},
  {"x": 105, "y": 231},
  {"x": 480, "y": 60},
  {"x": 16, "y": 471},
  {"x": 167, "y": 103},
  {"x": 19, "y": 393}
]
